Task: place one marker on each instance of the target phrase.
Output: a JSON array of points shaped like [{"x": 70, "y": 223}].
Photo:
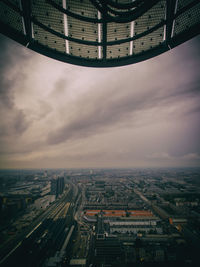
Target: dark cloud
[
  {"x": 20, "y": 124},
  {"x": 113, "y": 105},
  {"x": 107, "y": 117},
  {"x": 13, "y": 120}
]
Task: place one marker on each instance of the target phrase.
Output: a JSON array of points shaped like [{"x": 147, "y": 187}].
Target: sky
[{"x": 57, "y": 115}]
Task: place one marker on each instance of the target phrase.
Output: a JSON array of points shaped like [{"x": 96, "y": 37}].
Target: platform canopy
[{"x": 100, "y": 33}]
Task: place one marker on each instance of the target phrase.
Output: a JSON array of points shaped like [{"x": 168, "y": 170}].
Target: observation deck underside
[{"x": 100, "y": 33}]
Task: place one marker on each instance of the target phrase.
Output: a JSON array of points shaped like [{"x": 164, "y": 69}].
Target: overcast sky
[{"x": 56, "y": 115}]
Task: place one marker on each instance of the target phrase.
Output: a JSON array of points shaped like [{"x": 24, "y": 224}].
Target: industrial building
[
  {"x": 136, "y": 226},
  {"x": 44, "y": 202}
]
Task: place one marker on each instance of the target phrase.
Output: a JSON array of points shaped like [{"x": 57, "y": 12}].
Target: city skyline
[{"x": 58, "y": 115}]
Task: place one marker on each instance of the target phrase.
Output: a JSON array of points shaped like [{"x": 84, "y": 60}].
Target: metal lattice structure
[{"x": 100, "y": 33}]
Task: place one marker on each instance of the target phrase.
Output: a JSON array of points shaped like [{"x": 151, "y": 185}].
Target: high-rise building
[{"x": 57, "y": 186}]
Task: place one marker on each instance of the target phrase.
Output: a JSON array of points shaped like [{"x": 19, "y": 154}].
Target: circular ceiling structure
[{"x": 100, "y": 33}]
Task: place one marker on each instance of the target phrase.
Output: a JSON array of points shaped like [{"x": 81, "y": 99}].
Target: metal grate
[
  {"x": 118, "y": 51},
  {"x": 82, "y": 30},
  {"x": 95, "y": 32},
  {"x": 82, "y": 7},
  {"x": 48, "y": 16},
  {"x": 151, "y": 18},
  {"x": 83, "y": 51},
  {"x": 11, "y": 17},
  {"x": 49, "y": 40},
  {"x": 149, "y": 41},
  {"x": 183, "y": 3},
  {"x": 187, "y": 19},
  {"x": 118, "y": 31}
]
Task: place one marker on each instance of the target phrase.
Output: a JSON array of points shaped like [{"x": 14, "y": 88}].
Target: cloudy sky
[{"x": 56, "y": 115}]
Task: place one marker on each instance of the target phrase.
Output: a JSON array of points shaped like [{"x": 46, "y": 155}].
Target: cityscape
[
  {"x": 100, "y": 217},
  {"x": 99, "y": 133}
]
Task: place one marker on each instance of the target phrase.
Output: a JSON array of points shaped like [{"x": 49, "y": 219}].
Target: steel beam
[
  {"x": 26, "y": 10},
  {"x": 170, "y": 12}
]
